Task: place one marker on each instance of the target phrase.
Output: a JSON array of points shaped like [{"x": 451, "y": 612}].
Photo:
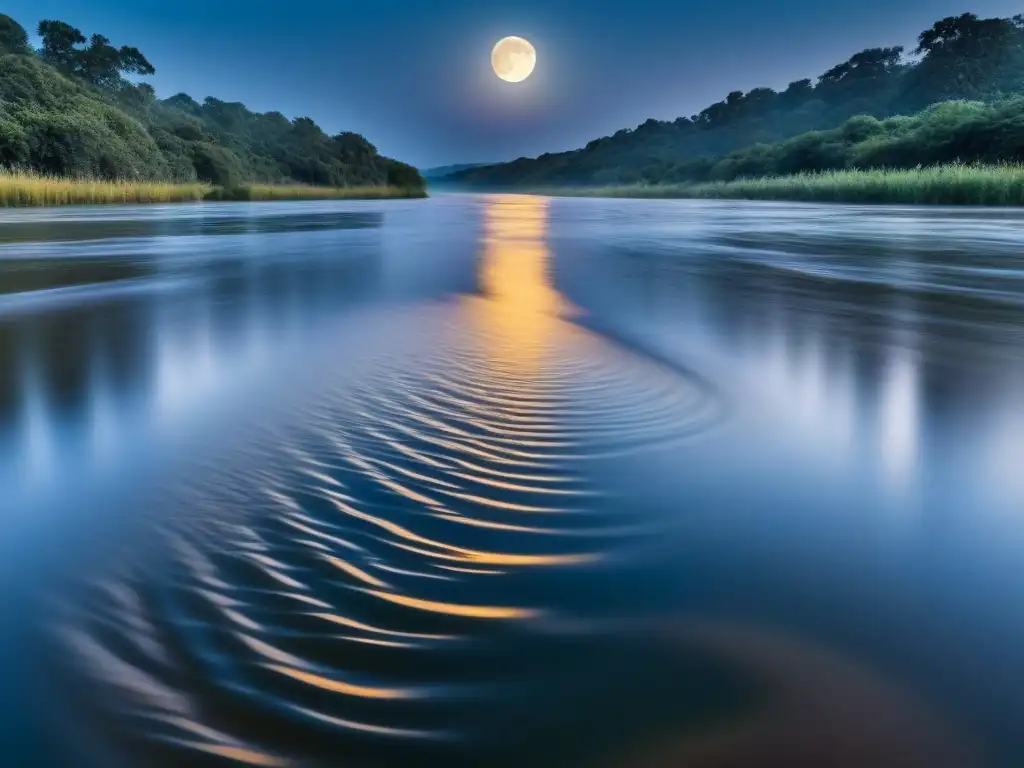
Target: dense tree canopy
[
  {"x": 74, "y": 108},
  {"x": 950, "y": 131},
  {"x": 13, "y": 37},
  {"x": 963, "y": 58}
]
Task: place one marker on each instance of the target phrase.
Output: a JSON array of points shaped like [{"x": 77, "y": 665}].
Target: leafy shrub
[
  {"x": 216, "y": 164},
  {"x": 860, "y": 128},
  {"x": 402, "y": 175}
]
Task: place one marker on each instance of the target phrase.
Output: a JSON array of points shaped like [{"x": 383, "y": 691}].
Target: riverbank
[
  {"x": 264, "y": 192},
  {"x": 954, "y": 184},
  {"x": 23, "y": 189}
]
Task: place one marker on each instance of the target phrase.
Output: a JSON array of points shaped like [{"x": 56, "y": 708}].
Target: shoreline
[
  {"x": 953, "y": 184},
  {"x": 19, "y": 190}
]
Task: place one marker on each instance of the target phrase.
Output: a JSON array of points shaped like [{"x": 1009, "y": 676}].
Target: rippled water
[{"x": 489, "y": 480}]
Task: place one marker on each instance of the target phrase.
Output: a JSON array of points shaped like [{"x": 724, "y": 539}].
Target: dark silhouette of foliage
[
  {"x": 99, "y": 63},
  {"x": 402, "y": 175},
  {"x": 59, "y": 41},
  {"x": 13, "y": 37},
  {"x": 132, "y": 62}
]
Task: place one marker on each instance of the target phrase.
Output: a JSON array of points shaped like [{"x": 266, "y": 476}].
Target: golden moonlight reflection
[
  {"x": 513, "y": 59},
  {"x": 522, "y": 308},
  {"x": 514, "y": 272}
]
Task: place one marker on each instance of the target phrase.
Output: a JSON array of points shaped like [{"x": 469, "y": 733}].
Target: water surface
[{"x": 483, "y": 480}]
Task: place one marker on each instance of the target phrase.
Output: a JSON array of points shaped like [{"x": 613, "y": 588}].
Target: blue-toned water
[{"x": 488, "y": 480}]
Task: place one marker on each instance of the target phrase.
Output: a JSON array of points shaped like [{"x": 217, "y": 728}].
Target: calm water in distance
[{"x": 494, "y": 480}]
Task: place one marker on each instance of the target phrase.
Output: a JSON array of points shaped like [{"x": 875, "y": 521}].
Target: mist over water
[{"x": 497, "y": 479}]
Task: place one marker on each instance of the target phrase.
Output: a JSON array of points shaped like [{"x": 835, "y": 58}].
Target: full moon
[{"x": 513, "y": 59}]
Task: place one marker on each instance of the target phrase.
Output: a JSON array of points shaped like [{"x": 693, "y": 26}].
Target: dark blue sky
[{"x": 414, "y": 76}]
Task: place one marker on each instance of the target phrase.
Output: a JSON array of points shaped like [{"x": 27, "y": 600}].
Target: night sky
[{"x": 414, "y": 77}]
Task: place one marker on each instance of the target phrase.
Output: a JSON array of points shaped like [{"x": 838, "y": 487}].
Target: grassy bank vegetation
[
  {"x": 26, "y": 189},
  {"x": 23, "y": 189},
  {"x": 954, "y": 184}
]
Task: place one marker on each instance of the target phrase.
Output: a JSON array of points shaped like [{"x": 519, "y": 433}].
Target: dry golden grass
[
  {"x": 19, "y": 189},
  {"x": 25, "y": 189}
]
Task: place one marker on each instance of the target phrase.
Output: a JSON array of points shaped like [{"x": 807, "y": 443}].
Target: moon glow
[{"x": 513, "y": 59}]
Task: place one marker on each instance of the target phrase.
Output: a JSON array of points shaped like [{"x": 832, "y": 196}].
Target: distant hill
[
  {"x": 72, "y": 109},
  {"x": 446, "y": 170},
  {"x": 958, "y": 58}
]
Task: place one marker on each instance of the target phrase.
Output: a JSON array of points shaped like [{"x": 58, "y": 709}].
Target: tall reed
[
  {"x": 19, "y": 189},
  {"x": 953, "y": 184},
  {"x": 25, "y": 189}
]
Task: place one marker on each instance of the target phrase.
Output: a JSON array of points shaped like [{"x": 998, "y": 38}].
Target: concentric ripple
[{"x": 346, "y": 585}]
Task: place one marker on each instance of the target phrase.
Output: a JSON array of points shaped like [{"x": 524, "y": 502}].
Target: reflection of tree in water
[
  {"x": 76, "y": 364},
  {"x": 10, "y": 352},
  {"x": 756, "y": 305},
  {"x": 23, "y": 275}
]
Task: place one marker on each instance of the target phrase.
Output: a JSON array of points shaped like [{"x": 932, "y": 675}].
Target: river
[{"x": 488, "y": 480}]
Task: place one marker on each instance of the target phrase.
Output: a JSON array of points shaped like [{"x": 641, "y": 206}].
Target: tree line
[
  {"x": 959, "y": 58},
  {"x": 74, "y": 108}
]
